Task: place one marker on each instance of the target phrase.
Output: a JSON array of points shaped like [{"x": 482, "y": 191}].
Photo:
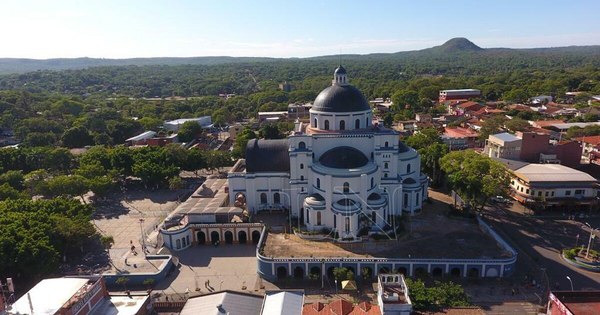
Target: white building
[
  {"x": 174, "y": 125},
  {"x": 341, "y": 172},
  {"x": 392, "y": 295}
]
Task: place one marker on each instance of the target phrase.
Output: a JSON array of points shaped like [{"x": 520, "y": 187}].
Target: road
[{"x": 540, "y": 241}]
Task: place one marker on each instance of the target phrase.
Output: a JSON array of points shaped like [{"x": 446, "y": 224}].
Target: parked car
[{"x": 500, "y": 199}]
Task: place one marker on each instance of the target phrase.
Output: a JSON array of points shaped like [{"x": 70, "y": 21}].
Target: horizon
[{"x": 114, "y": 30}]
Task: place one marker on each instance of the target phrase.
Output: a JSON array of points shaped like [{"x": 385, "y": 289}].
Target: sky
[{"x": 44, "y": 29}]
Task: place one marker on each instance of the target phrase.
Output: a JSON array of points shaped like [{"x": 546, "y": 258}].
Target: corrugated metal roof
[
  {"x": 506, "y": 137},
  {"x": 220, "y": 303},
  {"x": 283, "y": 303},
  {"x": 49, "y": 295},
  {"x": 142, "y": 136},
  {"x": 552, "y": 173}
]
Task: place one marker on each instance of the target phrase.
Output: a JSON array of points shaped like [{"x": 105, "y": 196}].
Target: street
[{"x": 540, "y": 241}]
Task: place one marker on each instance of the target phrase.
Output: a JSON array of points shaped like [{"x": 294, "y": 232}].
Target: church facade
[{"x": 339, "y": 172}]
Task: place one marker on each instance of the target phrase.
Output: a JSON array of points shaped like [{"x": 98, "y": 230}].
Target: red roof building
[
  {"x": 574, "y": 303},
  {"x": 340, "y": 307}
]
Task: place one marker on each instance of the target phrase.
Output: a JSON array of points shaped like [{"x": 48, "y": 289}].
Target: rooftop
[
  {"x": 579, "y": 302},
  {"x": 224, "y": 302},
  {"x": 283, "y": 303},
  {"x": 120, "y": 305},
  {"x": 461, "y": 90},
  {"x": 552, "y": 173},
  {"x": 593, "y": 140},
  {"x": 505, "y": 137},
  {"x": 49, "y": 296},
  {"x": 459, "y": 132}
]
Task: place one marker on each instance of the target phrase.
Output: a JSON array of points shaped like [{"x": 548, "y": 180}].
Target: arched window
[
  {"x": 385, "y": 165},
  {"x": 334, "y": 221},
  {"x": 307, "y": 217},
  {"x": 302, "y": 145},
  {"x": 408, "y": 168},
  {"x": 372, "y": 182},
  {"x": 178, "y": 242},
  {"x": 326, "y": 124},
  {"x": 343, "y": 125},
  {"x": 318, "y": 183},
  {"x": 387, "y": 144},
  {"x": 374, "y": 217},
  {"x": 367, "y": 122},
  {"x": 385, "y": 175},
  {"x": 263, "y": 198},
  {"x": 318, "y": 217},
  {"x": 301, "y": 166},
  {"x": 347, "y": 225},
  {"x": 302, "y": 177},
  {"x": 315, "y": 123},
  {"x": 346, "y": 187},
  {"x": 276, "y": 198},
  {"x": 357, "y": 124}
]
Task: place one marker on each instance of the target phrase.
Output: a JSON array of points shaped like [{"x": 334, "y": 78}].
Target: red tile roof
[
  {"x": 546, "y": 123},
  {"x": 593, "y": 140},
  {"x": 340, "y": 307},
  {"x": 459, "y": 132}
]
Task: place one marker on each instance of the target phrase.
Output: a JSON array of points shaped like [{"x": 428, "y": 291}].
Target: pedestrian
[
  {"x": 208, "y": 282},
  {"x": 126, "y": 262},
  {"x": 512, "y": 292}
]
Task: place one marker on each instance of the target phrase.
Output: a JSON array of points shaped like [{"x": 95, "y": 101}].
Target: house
[
  {"x": 540, "y": 99},
  {"x": 447, "y": 95},
  {"x": 503, "y": 145},
  {"x": 464, "y": 108},
  {"x": 298, "y": 111},
  {"x": 459, "y": 138},
  {"x": 381, "y": 104},
  {"x": 590, "y": 144},
  {"x": 272, "y": 116},
  {"x": 223, "y": 302},
  {"x": 573, "y": 302},
  {"x": 423, "y": 118},
  {"x": 340, "y": 307}
]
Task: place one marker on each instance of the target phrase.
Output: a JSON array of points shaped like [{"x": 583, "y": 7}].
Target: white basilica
[{"x": 339, "y": 172}]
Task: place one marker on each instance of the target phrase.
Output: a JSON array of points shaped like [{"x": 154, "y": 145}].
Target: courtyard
[{"x": 431, "y": 234}]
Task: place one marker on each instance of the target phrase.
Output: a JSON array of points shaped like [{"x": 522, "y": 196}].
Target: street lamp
[
  {"x": 587, "y": 253},
  {"x": 570, "y": 281}
]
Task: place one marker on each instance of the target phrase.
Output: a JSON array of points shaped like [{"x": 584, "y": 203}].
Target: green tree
[
  {"x": 270, "y": 131},
  {"x": 436, "y": 297},
  {"x": 122, "y": 281},
  {"x": 189, "y": 131},
  {"x": 239, "y": 148},
  {"x": 68, "y": 186},
  {"x": 423, "y": 138},
  {"x": 430, "y": 158},
  {"x": 475, "y": 177},
  {"x": 516, "y": 124},
  {"x": 150, "y": 123},
  {"x": 342, "y": 273},
  {"x": 76, "y": 137},
  {"x": 404, "y": 99},
  {"x": 491, "y": 126},
  {"x": 13, "y": 178}
]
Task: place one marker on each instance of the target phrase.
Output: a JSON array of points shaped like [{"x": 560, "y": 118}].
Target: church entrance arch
[
  {"x": 455, "y": 272},
  {"x": 201, "y": 237},
  {"x": 228, "y": 237},
  {"x": 298, "y": 273},
  {"x": 242, "y": 237},
  {"x": 403, "y": 271}
]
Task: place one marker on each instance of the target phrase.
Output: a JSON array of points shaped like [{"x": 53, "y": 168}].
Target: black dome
[
  {"x": 340, "y": 70},
  {"x": 341, "y": 98},
  {"x": 343, "y": 157}
]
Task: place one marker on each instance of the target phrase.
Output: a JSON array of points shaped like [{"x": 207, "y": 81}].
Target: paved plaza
[{"x": 225, "y": 267}]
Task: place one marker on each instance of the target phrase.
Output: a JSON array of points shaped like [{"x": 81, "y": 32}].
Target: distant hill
[
  {"x": 458, "y": 44},
  {"x": 455, "y": 47}
]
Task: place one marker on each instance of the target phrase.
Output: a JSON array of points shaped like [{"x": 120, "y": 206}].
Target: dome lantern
[{"x": 339, "y": 76}]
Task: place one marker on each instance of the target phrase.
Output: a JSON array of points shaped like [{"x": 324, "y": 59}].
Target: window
[
  {"x": 374, "y": 217},
  {"x": 567, "y": 193},
  {"x": 385, "y": 165},
  {"x": 183, "y": 242},
  {"x": 408, "y": 168},
  {"x": 372, "y": 182},
  {"x": 302, "y": 145},
  {"x": 188, "y": 239},
  {"x": 318, "y": 218},
  {"x": 301, "y": 189},
  {"x": 357, "y": 124},
  {"x": 178, "y": 244},
  {"x": 552, "y": 194},
  {"x": 307, "y": 217},
  {"x": 302, "y": 177},
  {"x": 405, "y": 200},
  {"x": 342, "y": 125},
  {"x": 539, "y": 193},
  {"x": 326, "y": 124},
  {"x": 417, "y": 200},
  {"x": 301, "y": 166},
  {"x": 512, "y": 182},
  {"x": 579, "y": 192},
  {"x": 263, "y": 198},
  {"x": 347, "y": 225},
  {"x": 346, "y": 187},
  {"x": 318, "y": 183},
  {"x": 334, "y": 221},
  {"x": 387, "y": 144},
  {"x": 546, "y": 194},
  {"x": 527, "y": 191},
  {"x": 385, "y": 175},
  {"x": 276, "y": 198},
  {"x": 315, "y": 123},
  {"x": 367, "y": 122}
]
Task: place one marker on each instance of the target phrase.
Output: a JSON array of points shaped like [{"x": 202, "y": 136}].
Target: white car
[{"x": 500, "y": 199}]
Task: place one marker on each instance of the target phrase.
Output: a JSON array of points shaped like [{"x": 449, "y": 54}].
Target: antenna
[{"x": 340, "y": 55}]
